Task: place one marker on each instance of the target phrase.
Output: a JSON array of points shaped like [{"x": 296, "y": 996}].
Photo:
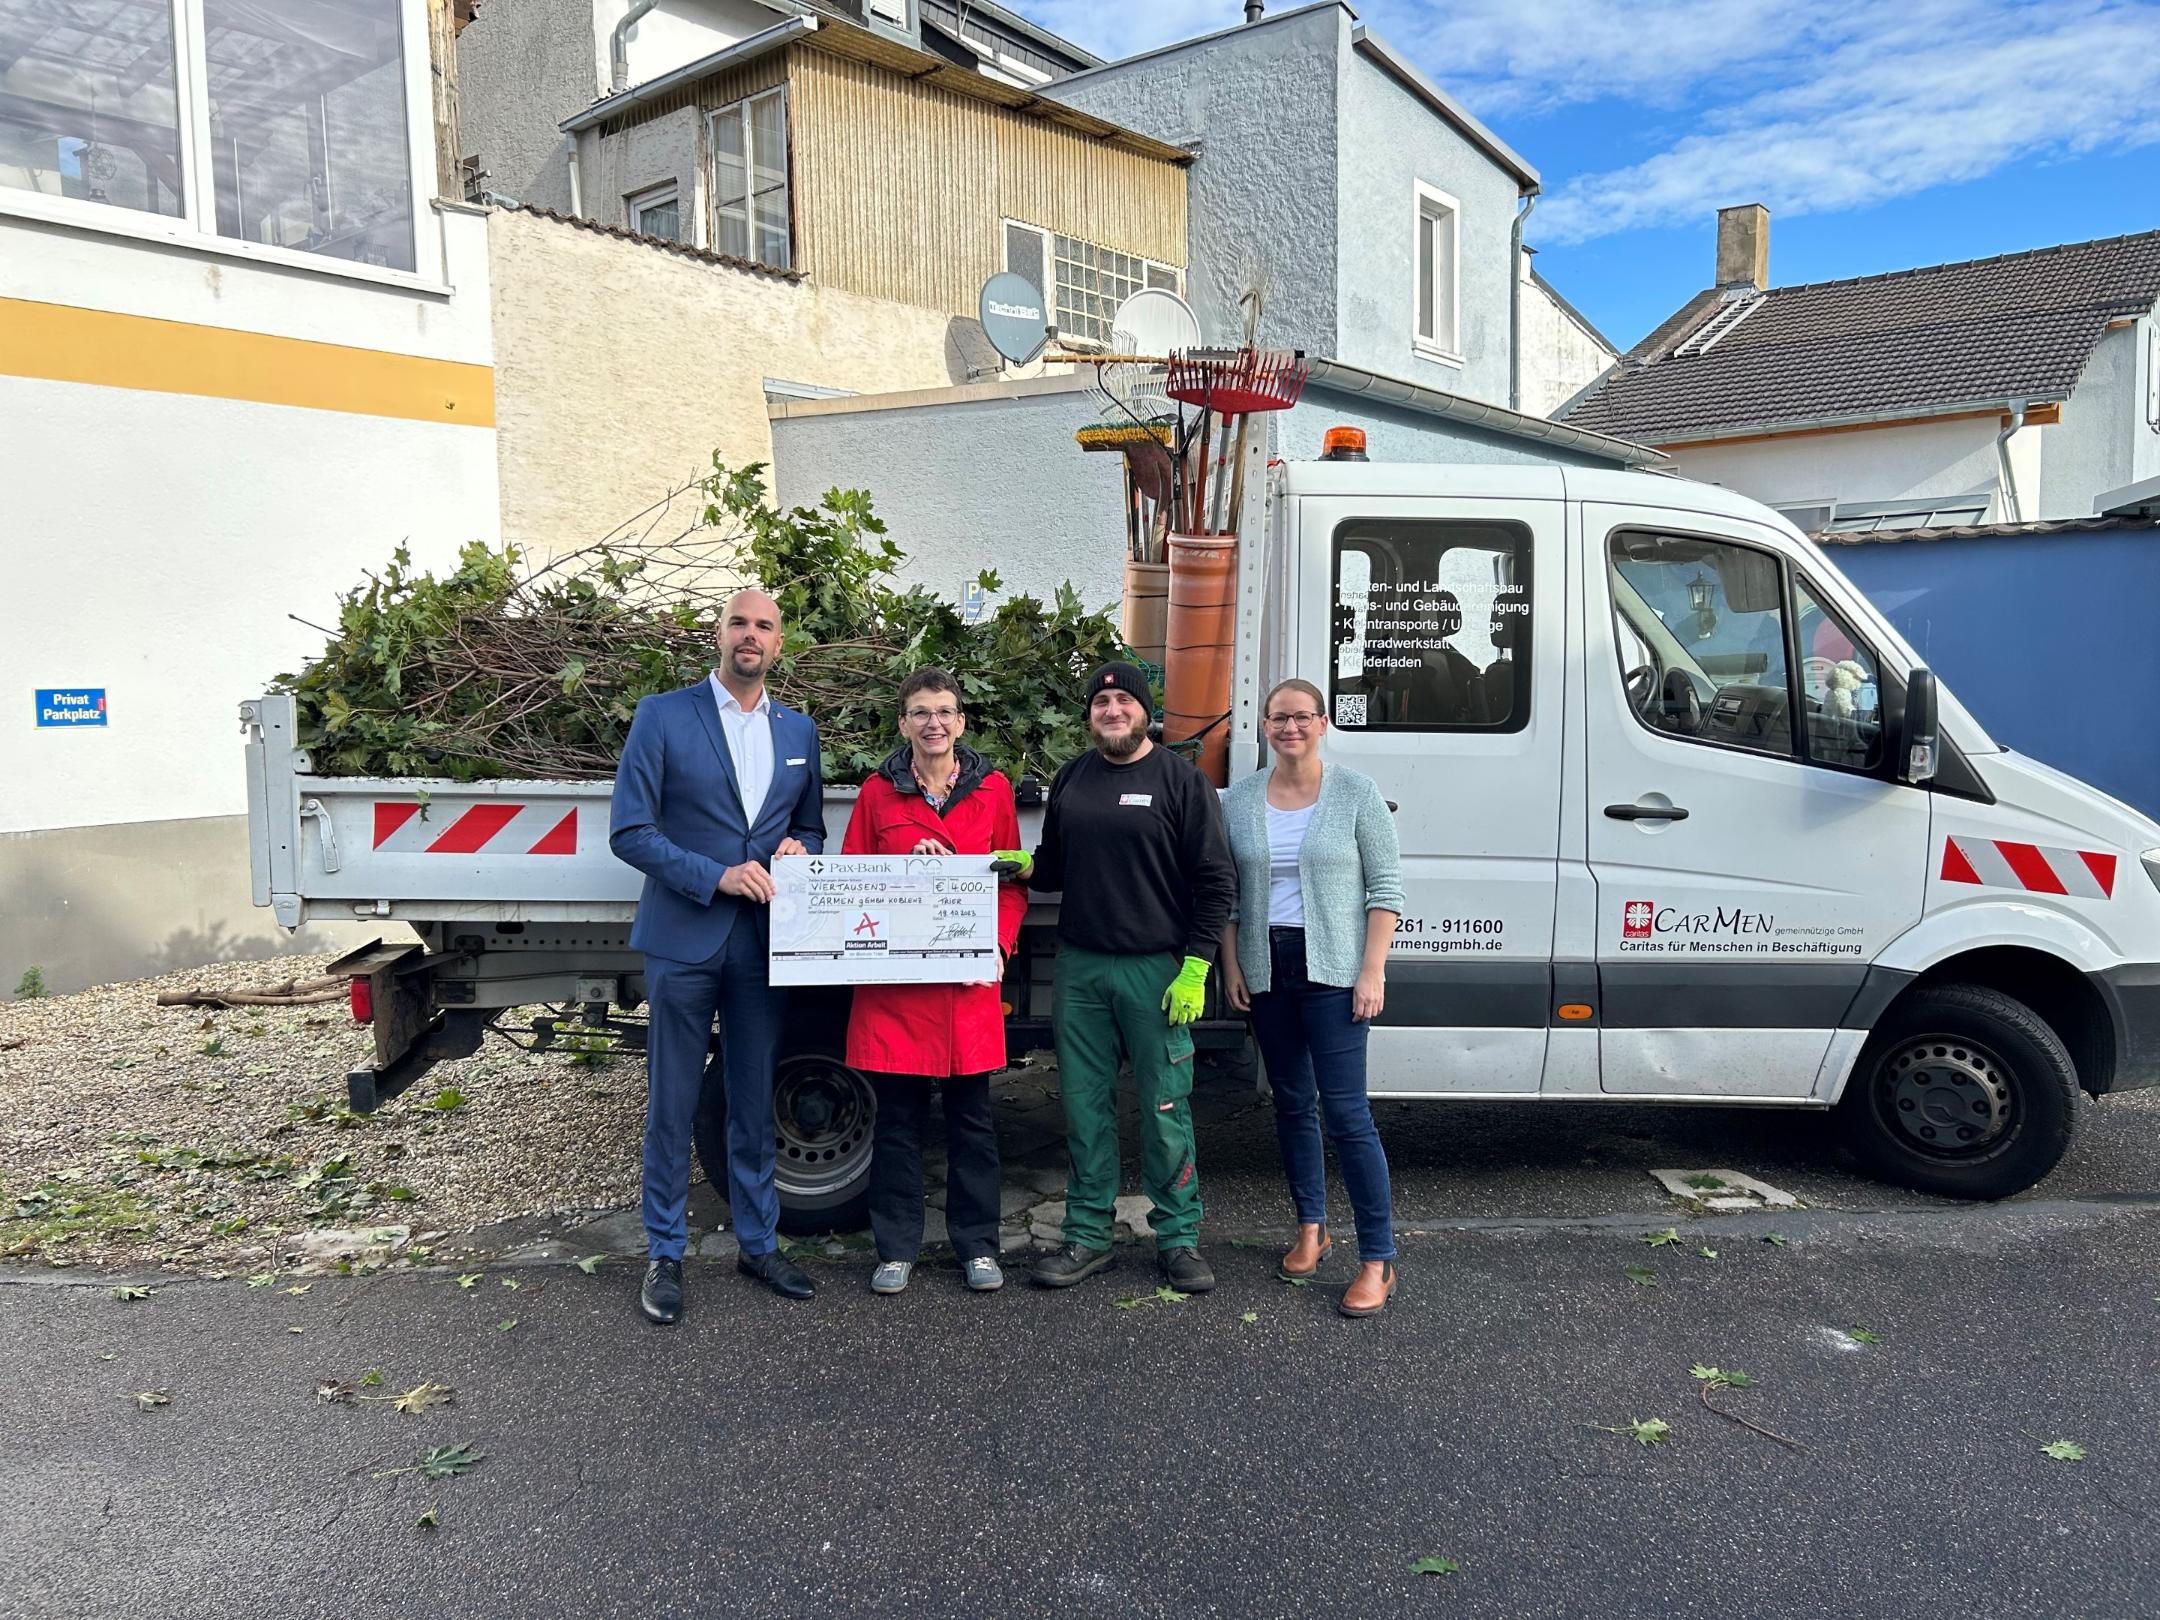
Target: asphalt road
[{"x": 1027, "y": 1454}]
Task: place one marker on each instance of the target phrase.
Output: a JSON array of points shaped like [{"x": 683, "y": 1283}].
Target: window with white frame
[
  {"x": 750, "y": 180},
  {"x": 1083, "y": 281},
  {"x": 262, "y": 123},
  {"x": 656, "y": 211},
  {"x": 1439, "y": 274}
]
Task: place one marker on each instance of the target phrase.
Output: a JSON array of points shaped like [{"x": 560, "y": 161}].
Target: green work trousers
[{"x": 1107, "y": 1009}]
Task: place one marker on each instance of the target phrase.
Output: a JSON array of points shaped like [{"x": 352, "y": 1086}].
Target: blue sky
[{"x": 1881, "y": 134}]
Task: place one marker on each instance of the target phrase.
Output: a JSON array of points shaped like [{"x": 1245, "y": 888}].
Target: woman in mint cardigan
[{"x": 1319, "y": 890}]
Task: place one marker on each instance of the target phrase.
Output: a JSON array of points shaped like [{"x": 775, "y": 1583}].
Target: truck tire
[
  {"x": 823, "y": 1112},
  {"x": 1962, "y": 1091}
]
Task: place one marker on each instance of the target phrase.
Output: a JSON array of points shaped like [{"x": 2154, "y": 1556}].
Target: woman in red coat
[{"x": 933, "y": 796}]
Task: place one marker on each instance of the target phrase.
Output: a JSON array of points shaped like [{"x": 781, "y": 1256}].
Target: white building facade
[{"x": 243, "y": 359}]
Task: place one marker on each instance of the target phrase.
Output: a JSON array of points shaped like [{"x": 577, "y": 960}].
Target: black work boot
[
  {"x": 661, "y": 1297},
  {"x": 1184, "y": 1270},
  {"x": 1063, "y": 1267}
]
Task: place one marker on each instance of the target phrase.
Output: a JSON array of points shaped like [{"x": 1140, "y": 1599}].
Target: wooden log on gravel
[{"x": 292, "y": 993}]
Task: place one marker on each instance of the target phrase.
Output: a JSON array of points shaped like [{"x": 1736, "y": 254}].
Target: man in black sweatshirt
[{"x": 1133, "y": 839}]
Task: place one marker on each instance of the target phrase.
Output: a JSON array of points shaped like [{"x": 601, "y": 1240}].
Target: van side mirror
[{"x": 1917, "y": 742}]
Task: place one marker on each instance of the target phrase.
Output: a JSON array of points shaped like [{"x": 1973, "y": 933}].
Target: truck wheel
[
  {"x": 823, "y": 1111},
  {"x": 1962, "y": 1091}
]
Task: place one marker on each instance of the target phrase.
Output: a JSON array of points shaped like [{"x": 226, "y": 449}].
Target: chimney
[
  {"x": 1253, "y": 9},
  {"x": 1743, "y": 246}
]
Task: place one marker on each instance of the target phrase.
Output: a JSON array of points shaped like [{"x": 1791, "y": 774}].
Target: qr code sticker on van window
[{"x": 1349, "y": 708}]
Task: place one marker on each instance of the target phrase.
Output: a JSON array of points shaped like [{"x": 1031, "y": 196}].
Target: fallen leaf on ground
[
  {"x": 2064, "y": 1451},
  {"x": 1250, "y": 1316},
  {"x": 297, "y": 1289},
  {"x": 1170, "y": 1296},
  {"x": 1641, "y": 1274},
  {"x": 512, "y": 1284},
  {"x": 262, "y": 1279},
  {"x": 1707, "y": 1254},
  {"x": 126, "y": 1293},
  {"x": 423, "y": 1396},
  {"x": 1435, "y": 1566},
  {"x": 590, "y": 1264},
  {"x": 1649, "y": 1431},
  {"x": 468, "y": 1279},
  {"x": 506, "y": 1324},
  {"x": 439, "y": 1462},
  {"x": 427, "y": 1520},
  {"x": 336, "y": 1392},
  {"x": 1775, "y": 1238},
  {"x": 146, "y": 1399},
  {"x": 1719, "y": 1376},
  {"x": 1132, "y": 1302},
  {"x": 296, "y": 1330},
  {"x": 1860, "y": 1335},
  {"x": 371, "y": 1378},
  {"x": 1658, "y": 1240}
]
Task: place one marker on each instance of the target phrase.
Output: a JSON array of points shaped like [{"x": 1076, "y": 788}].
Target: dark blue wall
[{"x": 2047, "y": 639}]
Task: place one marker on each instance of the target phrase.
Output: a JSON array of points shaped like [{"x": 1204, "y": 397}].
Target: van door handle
[{"x": 1645, "y": 812}]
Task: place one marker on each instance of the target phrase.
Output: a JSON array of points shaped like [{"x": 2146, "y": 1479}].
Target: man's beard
[
  {"x": 1123, "y": 746},
  {"x": 756, "y": 655}
]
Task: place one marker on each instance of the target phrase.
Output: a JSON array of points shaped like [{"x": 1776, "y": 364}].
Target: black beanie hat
[{"x": 1120, "y": 677}]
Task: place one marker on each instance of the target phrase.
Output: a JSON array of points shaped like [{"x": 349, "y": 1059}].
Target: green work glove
[
  {"x": 1012, "y": 863},
  {"x": 1187, "y": 991}
]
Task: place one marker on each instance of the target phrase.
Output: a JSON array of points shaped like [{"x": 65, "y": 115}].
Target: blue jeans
[{"x": 1315, "y": 1058}]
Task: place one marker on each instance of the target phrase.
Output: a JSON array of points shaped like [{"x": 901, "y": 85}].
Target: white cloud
[
  {"x": 1807, "y": 107},
  {"x": 1916, "y": 99}
]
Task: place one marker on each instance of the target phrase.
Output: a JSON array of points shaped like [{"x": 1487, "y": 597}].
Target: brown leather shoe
[
  {"x": 1369, "y": 1294},
  {"x": 1313, "y": 1245}
]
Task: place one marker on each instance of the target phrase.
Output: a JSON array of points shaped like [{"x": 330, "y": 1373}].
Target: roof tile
[{"x": 2021, "y": 325}]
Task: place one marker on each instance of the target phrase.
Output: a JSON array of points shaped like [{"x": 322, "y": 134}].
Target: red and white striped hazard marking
[
  {"x": 493, "y": 828},
  {"x": 1998, "y": 863}
]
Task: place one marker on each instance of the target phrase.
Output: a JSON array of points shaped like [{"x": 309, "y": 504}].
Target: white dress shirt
[{"x": 749, "y": 740}]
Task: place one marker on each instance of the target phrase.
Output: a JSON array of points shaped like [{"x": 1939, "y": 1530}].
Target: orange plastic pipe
[{"x": 1198, "y": 641}]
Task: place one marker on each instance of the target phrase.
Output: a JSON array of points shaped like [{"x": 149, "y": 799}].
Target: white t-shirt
[{"x": 1285, "y": 837}]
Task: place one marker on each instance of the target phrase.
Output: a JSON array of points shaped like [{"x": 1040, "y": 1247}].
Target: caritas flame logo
[{"x": 1635, "y": 920}]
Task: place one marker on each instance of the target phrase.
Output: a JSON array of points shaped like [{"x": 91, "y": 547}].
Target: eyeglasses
[
  {"x": 943, "y": 717},
  {"x": 1301, "y": 720}
]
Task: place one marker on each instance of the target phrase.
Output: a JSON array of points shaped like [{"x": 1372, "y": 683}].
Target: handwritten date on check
[{"x": 884, "y": 919}]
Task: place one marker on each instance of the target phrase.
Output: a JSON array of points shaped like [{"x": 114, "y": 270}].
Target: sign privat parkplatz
[{"x": 71, "y": 706}]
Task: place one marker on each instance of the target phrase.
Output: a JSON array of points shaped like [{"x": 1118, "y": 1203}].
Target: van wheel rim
[
  {"x": 1948, "y": 1098},
  {"x": 822, "y": 1117}
]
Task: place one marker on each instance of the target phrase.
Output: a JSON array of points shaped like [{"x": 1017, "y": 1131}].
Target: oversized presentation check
[{"x": 884, "y": 919}]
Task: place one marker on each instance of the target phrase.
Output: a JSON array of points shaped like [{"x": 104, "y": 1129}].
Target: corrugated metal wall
[{"x": 900, "y": 188}]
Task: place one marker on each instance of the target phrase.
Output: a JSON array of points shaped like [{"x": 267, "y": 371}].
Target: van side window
[
  {"x": 1840, "y": 687},
  {"x": 1700, "y": 625},
  {"x": 1431, "y": 626}
]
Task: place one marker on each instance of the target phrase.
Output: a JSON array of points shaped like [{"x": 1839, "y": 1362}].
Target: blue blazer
[{"x": 677, "y": 816}]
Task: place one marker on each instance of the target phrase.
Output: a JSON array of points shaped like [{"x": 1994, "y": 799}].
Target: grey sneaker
[
  {"x": 983, "y": 1275},
  {"x": 891, "y": 1276}
]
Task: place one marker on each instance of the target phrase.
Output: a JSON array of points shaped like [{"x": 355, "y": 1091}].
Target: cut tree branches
[{"x": 499, "y": 669}]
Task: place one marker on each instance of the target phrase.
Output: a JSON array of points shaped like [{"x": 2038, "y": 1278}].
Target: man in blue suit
[{"x": 716, "y": 780}]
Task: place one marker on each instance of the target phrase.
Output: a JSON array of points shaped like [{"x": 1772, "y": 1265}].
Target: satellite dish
[
  {"x": 1158, "y": 321},
  {"x": 1013, "y": 318},
  {"x": 1152, "y": 322}
]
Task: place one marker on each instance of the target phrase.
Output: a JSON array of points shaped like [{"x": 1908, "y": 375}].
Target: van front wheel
[{"x": 1962, "y": 1091}]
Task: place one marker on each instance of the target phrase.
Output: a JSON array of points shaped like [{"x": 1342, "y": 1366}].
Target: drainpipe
[
  {"x": 577, "y": 195},
  {"x": 2011, "y": 511},
  {"x": 619, "y": 46},
  {"x": 1514, "y": 325}
]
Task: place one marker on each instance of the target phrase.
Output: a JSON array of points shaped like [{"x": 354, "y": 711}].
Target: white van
[
  {"x": 1684, "y": 819},
  {"x": 1678, "y": 825}
]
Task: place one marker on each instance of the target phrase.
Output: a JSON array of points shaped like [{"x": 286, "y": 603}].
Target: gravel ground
[{"x": 194, "y": 1138}]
